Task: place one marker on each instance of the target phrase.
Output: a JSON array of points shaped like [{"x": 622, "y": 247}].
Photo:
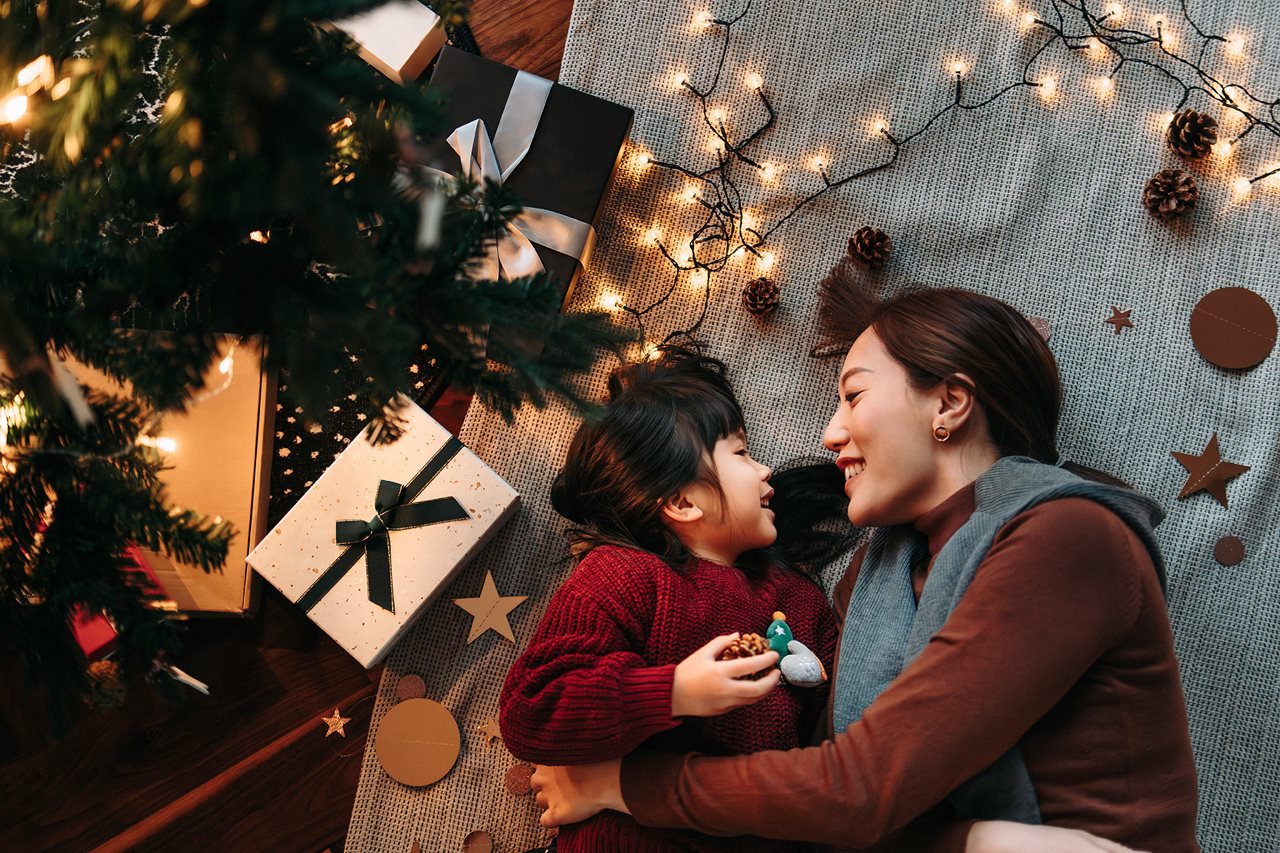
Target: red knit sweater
[{"x": 595, "y": 681}]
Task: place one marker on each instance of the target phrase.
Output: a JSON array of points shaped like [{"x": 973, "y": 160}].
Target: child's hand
[
  {"x": 706, "y": 687},
  {"x": 999, "y": 836}
]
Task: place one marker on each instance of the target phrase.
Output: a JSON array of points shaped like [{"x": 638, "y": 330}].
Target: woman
[{"x": 1006, "y": 650}]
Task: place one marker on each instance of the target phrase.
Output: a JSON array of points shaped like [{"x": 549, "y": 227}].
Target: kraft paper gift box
[
  {"x": 220, "y": 466},
  {"x": 555, "y": 147},
  {"x": 399, "y": 38},
  {"x": 382, "y": 532}
]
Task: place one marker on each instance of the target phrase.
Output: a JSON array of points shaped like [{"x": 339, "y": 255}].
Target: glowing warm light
[
  {"x": 690, "y": 194},
  {"x": 610, "y": 301},
  {"x": 224, "y": 366},
  {"x": 642, "y": 159},
  {"x": 1105, "y": 87},
  {"x": 879, "y": 126},
  {"x": 259, "y": 237},
  {"x": 764, "y": 260},
  {"x": 959, "y": 68},
  {"x": 702, "y": 20},
  {"x": 41, "y": 68},
  {"x": 1242, "y": 186},
  {"x": 651, "y": 351},
  {"x": 1166, "y": 119},
  {"x": 1222, "y": 149},
  {"x": 679, "y": 79},
  {"x": 1235, "y": 46},
  {"x": 717, "y": 116},
  {"x": 168, "y": 445},
  {"x": 60, "y": 88},
  {"x": 817, "y": 163},
  {"x": 768, "y": 171},
  {"x": 755, "y": 81},
  {"x": 341, "y": 124},
  {"x": 1048, "y": 88},
  {"x": 686, "y": 256},
  {"x": 653, "y": 235},
  {"x": 748, "y": 221},
  {"x": 15, "y": 107},
  {"x": 1009, "y": 6},
  {"x": 699, "y": 278},
  {"x": 1027, "y": 21},
  {"x": 1095, "y": 48},
  {"x": 1114, "y": 12}
]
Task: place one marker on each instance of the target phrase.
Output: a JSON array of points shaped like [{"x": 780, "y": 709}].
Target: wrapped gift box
[
  {"x": 382, "y": 532},
  {"x": 399, "y": 39},
  {"x": 571, "y": 158},
  {"x": 94, "y": 632},
  {"x": 220, "y": 465}
]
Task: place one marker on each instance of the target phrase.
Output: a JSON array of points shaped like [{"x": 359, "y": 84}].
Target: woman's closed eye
[{"x": 851, "y": 397}]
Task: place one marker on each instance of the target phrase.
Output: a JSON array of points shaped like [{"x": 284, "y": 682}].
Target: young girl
[{"x": 673, "y": 516}]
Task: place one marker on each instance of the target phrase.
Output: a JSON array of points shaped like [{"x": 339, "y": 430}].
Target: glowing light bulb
[
  {"x": 679, "y": 79},
  {"x": 1048, "y": 88},
  {"x": 768, "y": 171},
  {"x": 765, "y": 260},
  {"x": 1235, "y": 46},
  {"x": 15, "y": 107},
  {"x": 879, "y": 126},
  {"x": 1166, "y": 119},
  {"x": 610, "y": 301},
  {"x": 717, "y": 116},
  {"x": 168, "y": 445},
  {"x": 1105, "y": 87},
  {"x": 1242, "y": 186},
  {"x": 1008, "y": 6},
  {"x": 959, "y": 68},
  {"x": 1094, "y": 47},
  {"x": 1114, "y": 12},
  {"x": 41, "y": 67},
  {"x": 1222, "y": 149},
  {"x": 653, "y": 235},
  {"x": 224, "y": 366},
  {"x": 1027, "y": 21},
  {"x": 60, "y": 88},
  {"x": 686, "y": 256},
  {"x": 259, "y": 237},
  {"x": 748, "y": 221},
  {"x": 699, "y": 278},
  {"x": 690, "y": 194},
  {"x": 755, "y": 81},
  {"x": 818, "y": 162},
  {"x": 702, "y": 20},
  {"x": 643, "y": 159},
  {"x": 651, "y": 351}
]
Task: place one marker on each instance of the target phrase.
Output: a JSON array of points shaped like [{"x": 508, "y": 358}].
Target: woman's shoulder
[{"x": 1070, "y": 520}]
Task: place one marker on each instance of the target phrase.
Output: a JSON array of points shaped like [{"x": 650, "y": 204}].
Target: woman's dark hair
[
  {"x": 655, "y": 436},
  {"x": 938, "y": 333}
]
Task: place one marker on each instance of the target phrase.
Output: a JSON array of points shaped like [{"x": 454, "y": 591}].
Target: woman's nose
[{"x": 835, "y": 436}]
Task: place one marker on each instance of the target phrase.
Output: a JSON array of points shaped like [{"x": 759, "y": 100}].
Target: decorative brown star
[
  {"x": 1120, "y": 319},
  {"x": 490, "y": 730},
  {"x": 1207, "y": 472},
  {"x": 335, "y": 723},
  {"x": 489, "y": 610}
]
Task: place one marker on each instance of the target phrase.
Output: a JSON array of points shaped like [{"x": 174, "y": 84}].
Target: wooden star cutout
[
  {"x": 1207, "y": 472},
  {"x": 490, "y": 610},
  {"x": 335, "y": 723},
  {"x": 490, "y": 730},
  {"x": 1120, "y": 319}
]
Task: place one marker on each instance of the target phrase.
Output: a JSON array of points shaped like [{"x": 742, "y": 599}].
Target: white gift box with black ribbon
[{"x": 381, "y": 533}]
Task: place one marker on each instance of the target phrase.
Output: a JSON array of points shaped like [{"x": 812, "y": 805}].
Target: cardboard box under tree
[
  {"x": 220, "y": 465},
  {"x": 382, "y": 532},
  {"x": 571, "y": 157}
]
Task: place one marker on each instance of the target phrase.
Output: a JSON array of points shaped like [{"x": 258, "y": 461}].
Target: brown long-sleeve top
[{"x": 1061, "y": 645}]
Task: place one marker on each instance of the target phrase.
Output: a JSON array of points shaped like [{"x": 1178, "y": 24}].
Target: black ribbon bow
[{"x": 371, "y": 539}]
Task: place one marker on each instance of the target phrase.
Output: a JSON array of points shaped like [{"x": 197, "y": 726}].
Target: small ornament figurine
[
  {"x": 1192, "y": 134},
  {"x": 761, "y": 296},
  {"x": 779, "y": 634},
  {"x": 800, "y": 666},
  {"x": 1170, "y": 194},
  {"x": 870, "y": 247}
]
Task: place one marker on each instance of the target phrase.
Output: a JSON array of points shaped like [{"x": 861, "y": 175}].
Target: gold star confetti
[
  {"x": 490, "y": 730},
  {"x": 335, "y": 723},
  {"x": 490, "y": 610}
]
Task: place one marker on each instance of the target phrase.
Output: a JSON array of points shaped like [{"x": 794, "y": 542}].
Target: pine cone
[
  {"x": 1170, "y": 193},
  {"x": 761, "y": 296},
  {"x": 870, "y": 247},
  {"x": 1192, "y": 134},
  {"x": 748, "y": 645},
  {"x": 106, "y": 690}
]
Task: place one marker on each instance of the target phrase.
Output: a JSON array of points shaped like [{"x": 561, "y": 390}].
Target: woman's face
[{"x": 882, "y": 434}]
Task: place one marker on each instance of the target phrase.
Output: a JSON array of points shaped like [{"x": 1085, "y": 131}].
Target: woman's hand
[
  {"x": 706, "y": 687},
  {"x": 573, "y": 794},
  {"x": 999, "y": 836}
]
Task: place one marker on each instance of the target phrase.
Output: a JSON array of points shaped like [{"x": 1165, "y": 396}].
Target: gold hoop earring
[{"x": 941, "y": 433}]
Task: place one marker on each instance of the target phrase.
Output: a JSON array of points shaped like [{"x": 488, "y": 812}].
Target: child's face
[{"x": 744, "y": 521}]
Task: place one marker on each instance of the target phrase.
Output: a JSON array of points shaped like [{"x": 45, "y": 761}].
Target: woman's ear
[
  {"x": 957, "y": 401},
  {"x": 682, "y": 509}
]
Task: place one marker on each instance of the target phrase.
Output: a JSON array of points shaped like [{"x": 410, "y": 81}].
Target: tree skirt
[{"x": 1037, "y": 201}]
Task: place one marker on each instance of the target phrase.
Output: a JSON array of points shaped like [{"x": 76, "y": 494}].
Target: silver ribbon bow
[{"x": 486, "y": 158}]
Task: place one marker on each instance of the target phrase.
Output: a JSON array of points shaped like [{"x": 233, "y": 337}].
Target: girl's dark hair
[
  {"x": 938, "y": 333},
  {"x": 655, "y": 436}
]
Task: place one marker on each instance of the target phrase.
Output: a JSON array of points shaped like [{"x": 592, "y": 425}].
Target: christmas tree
[{"x": 172, "y": 170}]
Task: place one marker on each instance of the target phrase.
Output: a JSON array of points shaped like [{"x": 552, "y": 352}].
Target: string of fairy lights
[{"x": 727, "y": 228}]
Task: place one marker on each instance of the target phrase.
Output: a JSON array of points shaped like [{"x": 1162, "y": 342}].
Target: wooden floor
[{"x": 247, "y": 768}]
